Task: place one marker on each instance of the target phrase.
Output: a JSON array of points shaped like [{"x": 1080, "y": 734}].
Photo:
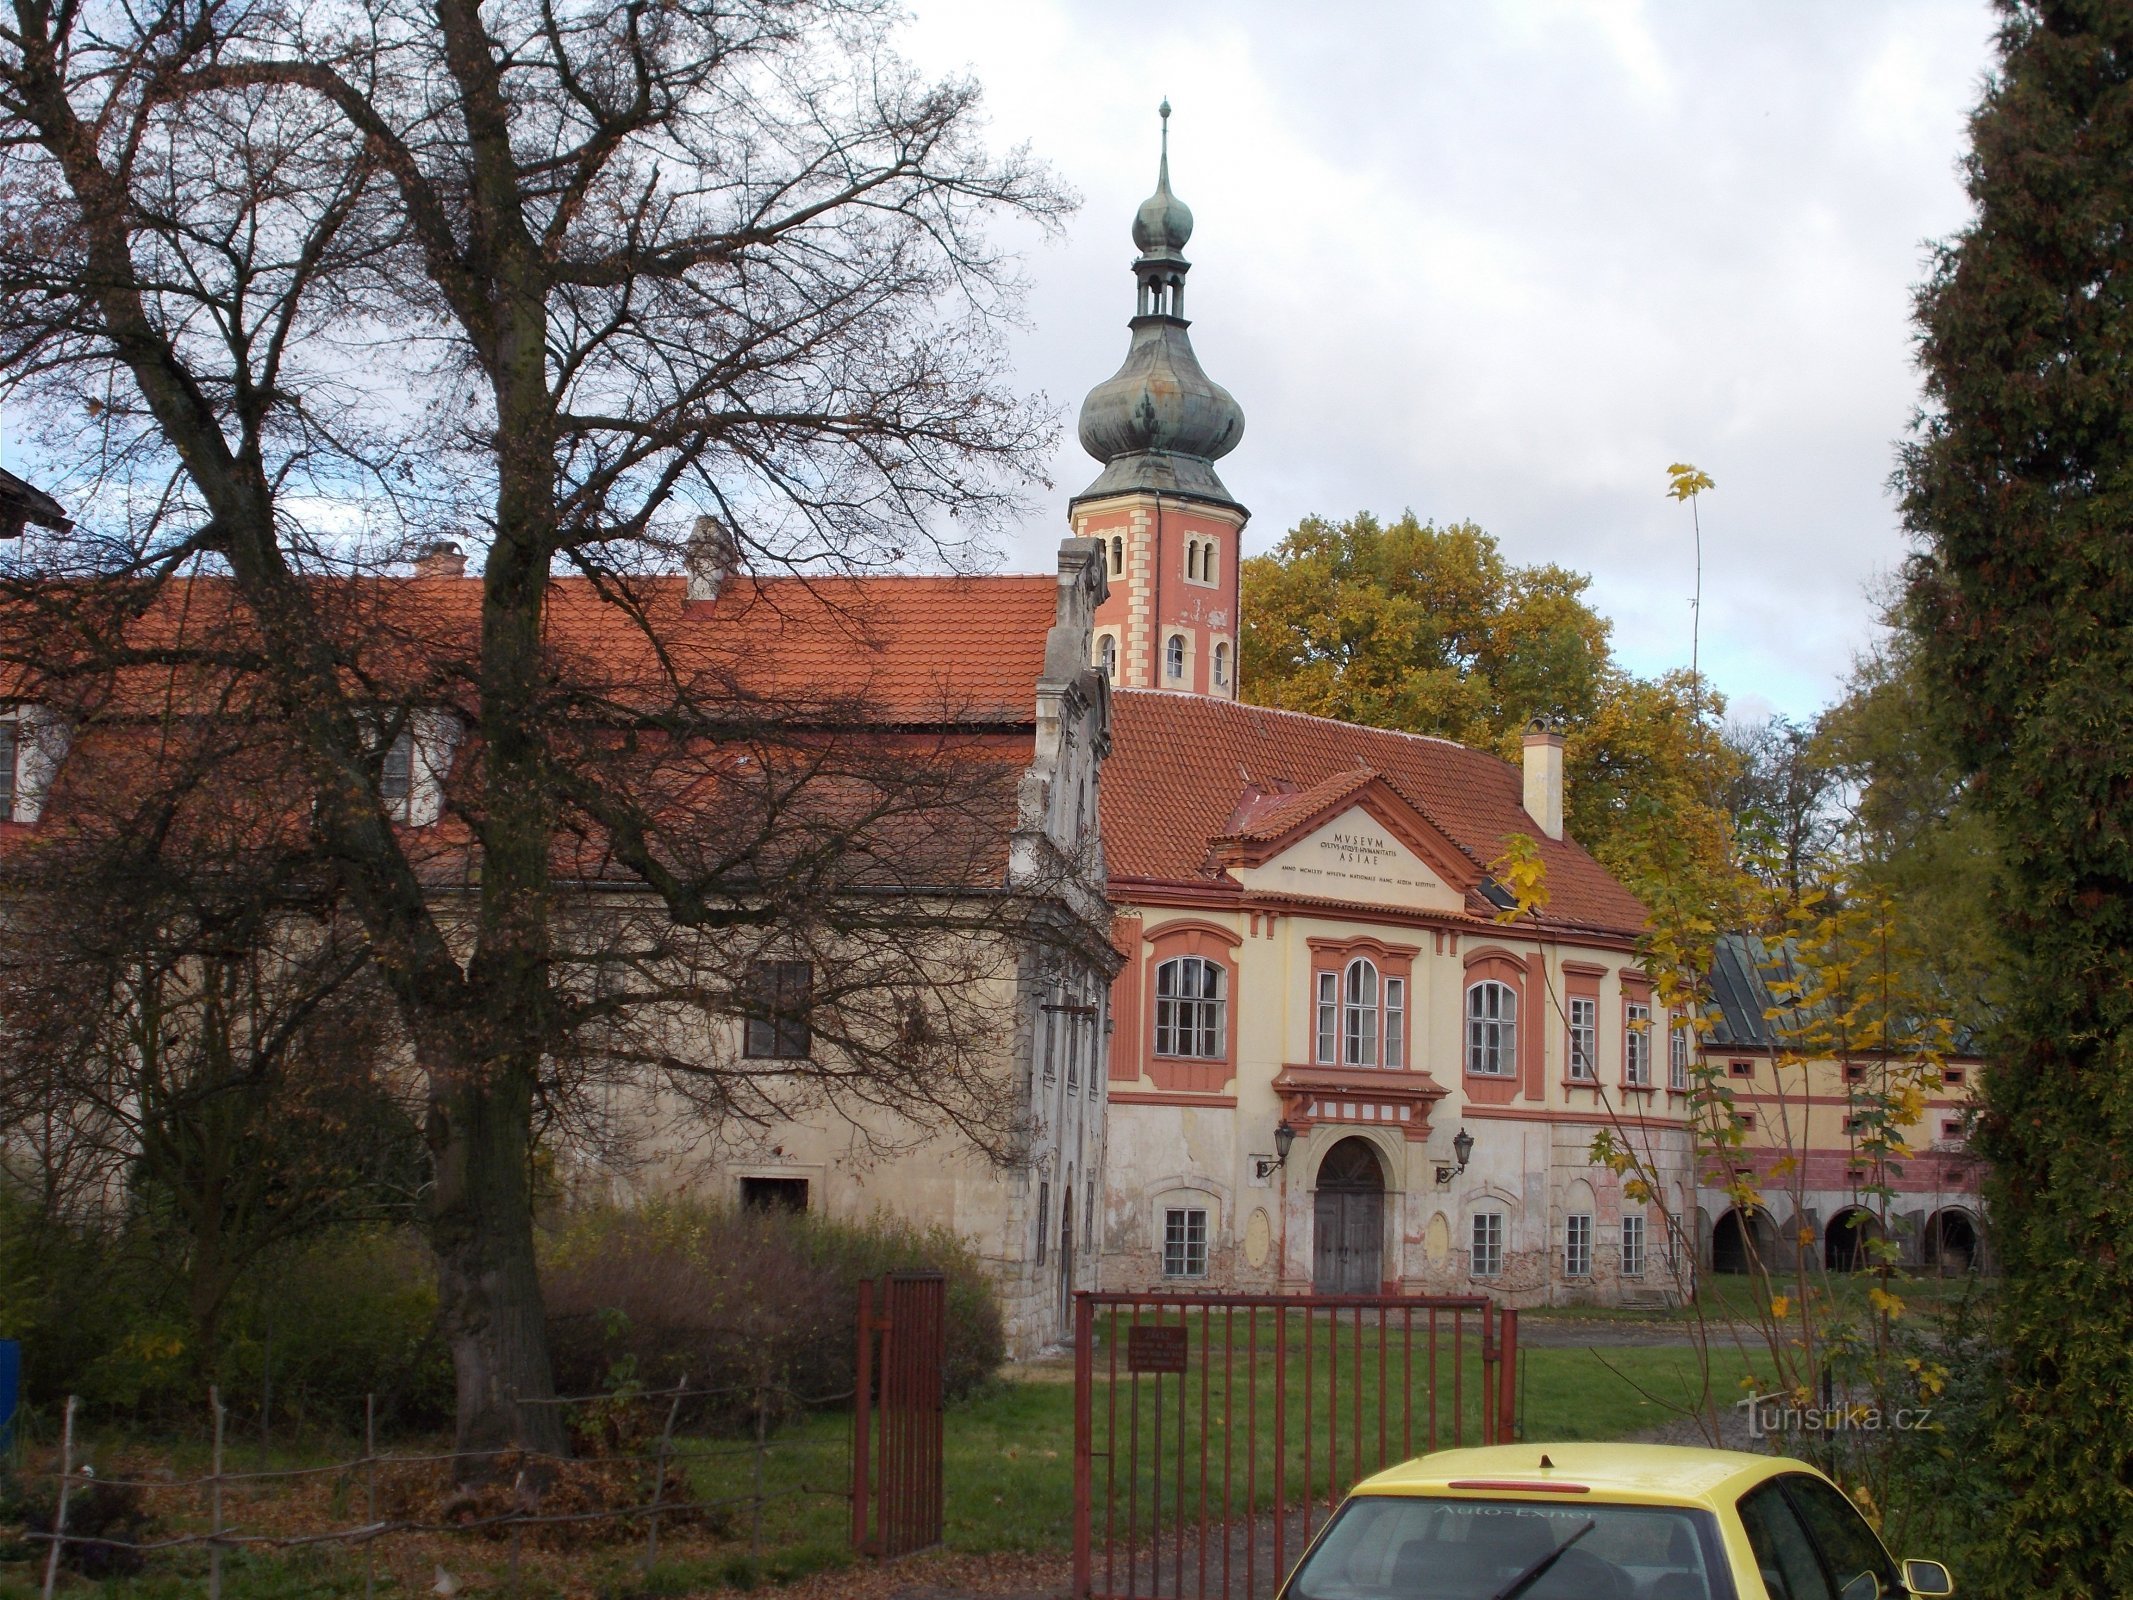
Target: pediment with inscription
[{"x": 1368, "y": 855}]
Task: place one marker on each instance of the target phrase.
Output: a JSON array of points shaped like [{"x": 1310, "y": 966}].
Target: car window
[
  {"x": 1854, "y": 1554},
  {"x": 1783, "y": 1553}
]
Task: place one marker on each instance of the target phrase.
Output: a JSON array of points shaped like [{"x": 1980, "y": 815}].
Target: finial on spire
[{"x": 1164, "y": 222}]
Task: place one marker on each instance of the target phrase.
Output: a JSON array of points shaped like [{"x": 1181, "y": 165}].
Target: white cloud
[{"x": 1507, "y": 262}]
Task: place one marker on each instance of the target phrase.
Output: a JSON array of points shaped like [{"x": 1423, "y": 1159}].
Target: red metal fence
[
  {"x": 896, "y": 1419},
  {"x": 1213, "y": 1432}
]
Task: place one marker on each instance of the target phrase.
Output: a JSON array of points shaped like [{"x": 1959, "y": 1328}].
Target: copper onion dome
[{"x": 1160, "y": 422}]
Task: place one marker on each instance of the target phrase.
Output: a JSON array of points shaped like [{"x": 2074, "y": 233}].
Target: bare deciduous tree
[{"x": 296, "y": 284}]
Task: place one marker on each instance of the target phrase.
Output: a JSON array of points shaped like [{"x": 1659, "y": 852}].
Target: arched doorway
[
  {"x": 1348, "y": 1217},
  {"x": 1950, "y": 1243},
  {"x": 1739, "y": 1241},
  {"x": 1844, "y": 1241}
]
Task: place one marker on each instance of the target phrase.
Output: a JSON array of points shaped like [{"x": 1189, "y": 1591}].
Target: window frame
[
  {"x": 1636, "y": 1042},
  {"x": 1168, "y": 1010},
  {"x": 1176, "y": 659},
  {"x": 1632, "y": 1244},
  {"x": 1342, "y": 1016},
  {"x": 784, "y": 1034},
  {"x": 1478, "y": 1250},
  {"x": 1492, "y": 1054},
  {"x": 1107, "y": 655},
  {"x": 1362, "y": 1003},
  {"x": 1220, "y": 666},
  {"x": 1584, "y": 1041},
  {"x": 1185, "y": 1232},
  {"x": 1577, "y": 1244},
  {"x": 10, "y": 765},
  {"x": 1677, "y": 1057}
]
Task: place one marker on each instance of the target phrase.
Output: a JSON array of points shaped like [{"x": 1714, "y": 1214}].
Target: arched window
[
  {"x": 1107, "y": 655},
  {"x": 1492, "y": 1029},
  {"x": 1174, "y": 658},
  {"x": 1207, "y": 562},
  {"x": 1189, "y": 1009},
  {"x": 1192, "y": 558},
  {"x": 1221, "y": 666},
  {"x": 1359, "y": 1014},
  {"x": 1118, "y": 555}
]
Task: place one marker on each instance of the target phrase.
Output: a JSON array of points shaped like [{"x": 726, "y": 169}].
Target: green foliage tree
[
  {"x": 1431, "y": 630},
  {"x": 2018, "y": 483}
]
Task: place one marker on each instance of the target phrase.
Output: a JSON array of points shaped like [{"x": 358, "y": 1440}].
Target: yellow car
[{"x": 1602, "y": 1522}]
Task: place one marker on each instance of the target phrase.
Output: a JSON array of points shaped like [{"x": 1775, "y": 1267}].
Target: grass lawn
[
  {"x": 1725, "y": 1297},
  {"x": 1009, "y": 1483}
]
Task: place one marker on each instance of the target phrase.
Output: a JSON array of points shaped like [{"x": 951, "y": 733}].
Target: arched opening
[
  {"x": 1845, "y": 1240},
  {"x": 1950, "y": 1242},
  {"x": 1348, "y": 1216},
  {"x": 1740, "y": 1241},
  {"x": 1174, "y": 658},
  {"x": 1107, "y": 655}
]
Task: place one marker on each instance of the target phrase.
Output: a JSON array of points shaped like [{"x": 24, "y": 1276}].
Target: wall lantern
[
  {"x": 1462, "y": 1151},
  {"x": 1284, "y": 1141}
]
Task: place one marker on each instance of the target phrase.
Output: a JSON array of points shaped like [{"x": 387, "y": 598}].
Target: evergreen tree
[{"x": 2018, "y": 482}]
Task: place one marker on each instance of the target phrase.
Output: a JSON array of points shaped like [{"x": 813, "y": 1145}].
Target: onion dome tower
[{"x": 1169, "y": 526}]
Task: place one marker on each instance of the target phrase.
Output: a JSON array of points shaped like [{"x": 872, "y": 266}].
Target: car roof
[{"x": 1647, "y": 1474}]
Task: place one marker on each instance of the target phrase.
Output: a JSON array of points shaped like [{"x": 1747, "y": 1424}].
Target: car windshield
[{"x": 1409, "y": 1547}]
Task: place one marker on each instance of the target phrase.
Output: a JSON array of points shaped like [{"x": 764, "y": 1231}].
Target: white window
[
  {"x": 1359, "y": 1014},
  {"x": 1044, "y": 1215},
  {"x": 1174, "y": 658},
  {"x": 1633, "y": 1245},
  {"x": 1073, "y": 1051},
  {"x": 779, "y": 1003},
  {"x": 1492, "y": 1030},
  {"x": 1107, "y": 655},
  {"x": 412, "y": 768},
  {"x": 1395, "y": 1021},
  {"x": 396, "y": 775},
  {"x": 1577, "y": 1245},
  {"x": 1677, "y": 1056},
  {"x": 1051, "y": 1044},
  {"x": 1188, "y": 1008},
  {"x": 1221, "y": 666},
  {"x": 1584, "y": 1038},
  {"x": 1328, "y": 1016},
  {"x": 1486, "y": 1256},
  {"x": 32, "y": 743},
  {"x": 1637, "y": 1045},
  {"x": 1185, "y": 1242}
]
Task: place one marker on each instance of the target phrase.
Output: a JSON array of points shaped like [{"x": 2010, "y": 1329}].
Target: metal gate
[
  {"x": 896, "y": 1414},
  {"x": 1214, "y": 1433}
]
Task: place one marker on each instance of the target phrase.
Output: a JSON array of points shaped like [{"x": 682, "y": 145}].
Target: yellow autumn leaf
[
  {"x": 1780, "y": 1306},
  {"x": 1887, "y": 1304}
]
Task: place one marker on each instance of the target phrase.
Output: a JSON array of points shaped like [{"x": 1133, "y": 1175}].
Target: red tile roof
[{"x": 1187, "y": 770}]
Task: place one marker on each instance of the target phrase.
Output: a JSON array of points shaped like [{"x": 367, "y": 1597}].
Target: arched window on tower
[
  {"x": 1107, "y": 655},
  {"x": 1174, "y": 658},
  {"x": 1118, "y": 555},
  {"x": 1192, "y": 559},
  {"x": 1221, "y": 666},
  {"x": 1207, "y": 562}
]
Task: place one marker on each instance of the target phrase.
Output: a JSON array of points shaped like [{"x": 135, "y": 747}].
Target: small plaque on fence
[{"x": 1156, "y": 1349}]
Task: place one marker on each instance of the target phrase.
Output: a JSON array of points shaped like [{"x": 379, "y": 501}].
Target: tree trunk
[{"x": 488, "y": 1290}]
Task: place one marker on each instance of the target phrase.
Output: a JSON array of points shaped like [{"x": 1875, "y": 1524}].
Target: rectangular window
[
  {"x": 1577, "y": 1245},
  {"x": 1637, "y": 1045},
  {"x": 10, "y": 748},
  {"x": 1044, "y": 1215},
  {"x": 1633, "y": 1246},
  {"x": 1951, "y": 1127},
  {"x": 1854, "y": 1072},
  {"x": 1677, "y": 1061},
  {"x": 1487, "y": 1253},
  {"x": 1951, "y": 1076},
  {"x": 1741, "y": 1069},
  {"x": 1744, "y": 1120},
  {"x": 774, "y": 1194},
  {"x": 1395, "y": 1021},
  {"x": 780, "y": 994},
  {"x": 1051, "y": 1044},
  {"x": 1855, "y": 1124},
  {"x": 1185, "y": 1243},
  {"x": 1584, "y": 1038},
  {"x": 396, "y": 775},
  {"x": 1329, "y": 1017},
  {"x": 1073, "y": 1052}
]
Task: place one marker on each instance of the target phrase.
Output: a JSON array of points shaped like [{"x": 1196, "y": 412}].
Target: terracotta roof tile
[{"x": 1182, "y": 766}]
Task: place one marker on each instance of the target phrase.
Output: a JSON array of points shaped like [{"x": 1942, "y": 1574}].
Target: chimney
[
  {"x": 1544, "y": 775},
  {"x": 442, "y": 558},
  {"x": 709, "y": 558}
]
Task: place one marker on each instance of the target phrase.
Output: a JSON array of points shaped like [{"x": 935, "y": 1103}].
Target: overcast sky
[{"x": 1506, "y": 262}]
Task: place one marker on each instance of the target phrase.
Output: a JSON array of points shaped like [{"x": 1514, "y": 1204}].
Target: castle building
[{"x": 1342, "y": 1059}]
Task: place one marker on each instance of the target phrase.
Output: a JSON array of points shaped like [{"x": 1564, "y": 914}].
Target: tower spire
[{"x": 1160, "y": 422}]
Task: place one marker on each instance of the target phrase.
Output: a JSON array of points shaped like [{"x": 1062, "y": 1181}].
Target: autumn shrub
[{"x": 748, "y": 1304}]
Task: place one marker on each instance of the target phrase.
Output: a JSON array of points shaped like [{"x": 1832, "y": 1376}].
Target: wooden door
[{"x": 1348, "y": 1222}]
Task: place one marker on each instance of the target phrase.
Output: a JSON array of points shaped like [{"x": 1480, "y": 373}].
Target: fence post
[
  {"x": 59, "y": 1516},
  {"x": 1084, "y": 1438},
  {"x": 755, "y": 1503},
  {"x": 862, "y": 1417},
  {"x": 1507, "y": 1379},
  {"x": 659, "y": 1482},
  {"x": 370, "y": 1495},
  {"x": 214, "y": 1500}
]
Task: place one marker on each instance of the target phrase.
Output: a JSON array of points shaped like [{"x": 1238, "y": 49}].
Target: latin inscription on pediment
[{"x": 1353, "y": 857}]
